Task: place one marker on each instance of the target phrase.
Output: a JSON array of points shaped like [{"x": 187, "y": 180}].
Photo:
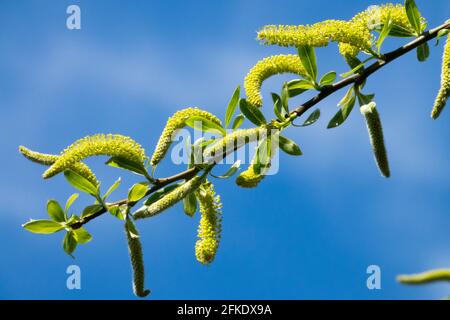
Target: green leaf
[
  {"x": 298, "y": 86},
  {"x": 313, "y": 117},
  {"x": 230, "y": 172},
  {"x": 328, "y": 79},
  {"x": 308, "y": 58},
  {"x": 413, "y": 15},
  {"x": 112, "y": 188},
  {"x": 289, "y": 146},
  {"x": 137, "y": 192},
  {"x": 160, "y": 193},
  {"x": 252, "y": 113},
  {"x": 400, "y": 31},
  {"x": 277, "y": 107},
  {"x": 232, "y": 105},
  {"x": 91, "y": 210},
  {"x": 81, "y": 183},
  {"x": 238, "y": 121},
  {"x": 343, "y": 113},
  {"x": 55, "y": 211},
  {"x": 190, "y": 204},
  {"x": 263, "y": 155},
  {"x": 365, "y": 98},
  {"x": 69, "y": 203},
  {"x": 348, "y": 96},
  {"x": 205, "y": 125},
  {"x": 126, "y": 164},
  {"x": 81, "y": 235},
  {"x": 384, "y": 32},
  {"x": 285, "y": 98},
  {"x": 117, "y": 212},
  {"x": 69, "y": 243},
  {"x": 441, "y": 34},
  {"x": 423, "y": 52},
  {"x": 43, "y": 226}
]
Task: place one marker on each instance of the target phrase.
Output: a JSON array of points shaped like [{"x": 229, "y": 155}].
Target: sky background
[{"x": 308, "y": 232}]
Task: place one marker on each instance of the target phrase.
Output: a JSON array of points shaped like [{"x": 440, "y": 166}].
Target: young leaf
[
  {"x": 252, "y": 113},
  {"x": 400, "y": 31},
  {"x": 238, "y": 121},
  {"x": 81, "y": 235},
  {"x": 160, "y": 193},
  {"x": 69, "y": 243},
  {"x": 413, "y": 15},
  {"x": 205, "y": 125},
  {"x": 441, "y": 34},
  {"x": 81, "y": 183},
  {"x": 423, "y": 52},
  {"x": 190, "y": 204},
  {"x": 69, "y": 203},
  {"x": 230, "y": 172},
  {"x": 43, "y": 226},
  {"x": 117, "y": 212},
  {"x": 91, "y": 210},
  {"x": 285, "y": 98},
  {"x": 55, "y": 211},
  {"x": 308, "y": 58},
  {"x": 289, "y": 146},
  {"x": 111, "y": 189},
  {"x": 137, "y": 192},
  {"x": 298, "y": 86},
  {"x": 126, "y": 164},
  {"x": 232, "y": 105},
  {"x": 313, "y": 117},
  {"x": 343, "y": 113},
  {"x": 384, "y": 32},
  {"x": 263, "y": 155},
  {"x": 328, "y": 79}
]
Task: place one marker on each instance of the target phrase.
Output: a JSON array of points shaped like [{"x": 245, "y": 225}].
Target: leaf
[
  {"x": 346, "y": 99},
  {"x": 298, "y": 86},
  {"x": 160, "y": 193},
  {"x": 328, "y": 79},
  {"x": 384, "y": 32},
  {"x": 116, "y": 212},
  {"x": 252, "y": 113},
  {"x": 69, "y": 203},
  {"x": 277, "y": 107},
  {"x": 81, "y": 183},
  {"x": 400, "y": 31},
  {"x": 55, "y": 211},
  {"x": 238, "y": 121},
  {"x": 43, "y": 226},
  {"x": 342, "y": 114},
  {"x": 137, "y": 192},
  {"x": 313, "y": 117},
  {"x": 441, "y": 34},
  {"x": 289, "y": 146},
  {"x": 190, "y": 204},
  {"x": 423, "y": 52},
  {"x": 263, "y": 155},
  {"x": 285, "y": 98},
  {"x": 112, "y": 188},
  {"x": 365, "y": 98},
  {"x": 232, "y": 105},
  {"x": 308, "y": 58},
  {"x": 230, "y": 172},
  {"x": 413, "y": 15},
  {"x": 81, "y": 235},
  {"x": 205, "y": 125},
  {"x": 126, "y": 164},
  {"x": 69, "y": 243},
  {"x": 91, "y": 210}
]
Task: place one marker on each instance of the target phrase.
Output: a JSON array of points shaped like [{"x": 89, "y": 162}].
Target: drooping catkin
[
  {"x": 174, "y": 123},
  {"x": 444, "y": 90},
  {"x": 266, "y": 68},
  {"x": 169, "y": 199},
  {"x": 100, "y": 144},
  {"x": 373, "y": 122},
  {"x": 137, "y": 260},
  {"x": 49, "y": 159},
  {"x": 210, "y": 227}
]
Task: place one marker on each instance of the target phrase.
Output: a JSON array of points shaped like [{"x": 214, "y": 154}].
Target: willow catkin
[
  {"x": 266, "y": 68},
  {"x": 169, "y": 199},
  {"x": 49, "y": 159},
  {"x": 369, "y": 111},
  {"x": 136, "y": 257},
  {"x": 426, "y": 277},
  {"x": 176, "y": 122},
  {"x": 100, "y": 144},
  {"x": 444, "y": 90},
  {"x": 210, "y": 227}
]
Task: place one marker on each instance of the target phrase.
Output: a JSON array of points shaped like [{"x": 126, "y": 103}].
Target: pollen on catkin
[
  {"x": 169, "y": 199},
  {"x": 174, "y": 123},
  {"x": 210, "y": 227},
  {"x": 373, "y": 122},
  {"x": 266, "y": 68},
  {"x": 100, "y": 144},
  {"x": 49, "y": 159},
  {"x": 136, "y": 257},
  {"x": 444, "y": 90}
]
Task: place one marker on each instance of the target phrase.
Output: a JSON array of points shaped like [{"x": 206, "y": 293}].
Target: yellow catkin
[
  {"x": 444, "y": 91},
  {"x": 49, "y": 159},
  {"x": 369, "y": 111},
  {"x": 426, "y": 277},
  {"x": 176, "y": 122},
  {"x": 266, "y": 68},
  {"x": 101, "y": 144},
  {"x": 210, "y": 226},
  {"x": 169, "y": 199}
]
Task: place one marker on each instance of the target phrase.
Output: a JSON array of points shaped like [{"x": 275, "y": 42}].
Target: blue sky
[{"x": 308, "y": 232}]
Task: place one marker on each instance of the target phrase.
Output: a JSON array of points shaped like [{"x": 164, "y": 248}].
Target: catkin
[
  {"x": 210, "y": 227},
  {"x": 49, "y": 159},
  {"x": 100, "y": 144},
  {"x": 266, "y": 68},
  {"x": 369, "y": 111},
  {"x": 426, "y": 277},
  {"x": 136, "y": 257},
  {"x": 176, "y": 122},
  {"x": 444, "y": 90}
]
